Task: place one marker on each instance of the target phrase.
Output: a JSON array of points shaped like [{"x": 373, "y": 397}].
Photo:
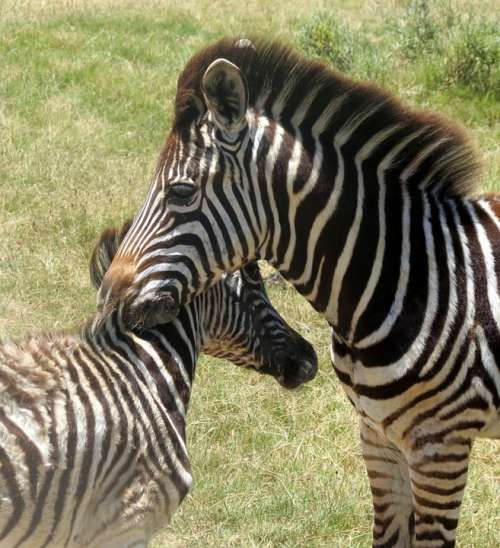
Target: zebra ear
[
  {"x": 104, "y": 251},
  {"x": 226, "y": 94}
]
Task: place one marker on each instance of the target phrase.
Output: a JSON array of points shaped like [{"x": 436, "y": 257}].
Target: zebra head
[
  {"x": 247, "y": 330},
  {"x": 236, "y": 320},
  {"x": 207, "y": 208}
]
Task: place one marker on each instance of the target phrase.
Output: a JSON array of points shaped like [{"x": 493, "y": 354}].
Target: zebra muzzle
[{"x": 297, "y": 365}]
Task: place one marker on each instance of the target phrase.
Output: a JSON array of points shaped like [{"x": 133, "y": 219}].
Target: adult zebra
[
  {"x": 92, "y": 426},
  {"x": 366, "y": 207}
]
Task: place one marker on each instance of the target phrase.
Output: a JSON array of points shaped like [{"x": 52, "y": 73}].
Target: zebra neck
[
  {"x": 161, "y": 360},
  {"x": 346, "y": 229}
]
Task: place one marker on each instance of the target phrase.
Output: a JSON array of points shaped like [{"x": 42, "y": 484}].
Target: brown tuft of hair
[
  {"x": 104, "y": 251},
  {"x": 269, "y": 65}
]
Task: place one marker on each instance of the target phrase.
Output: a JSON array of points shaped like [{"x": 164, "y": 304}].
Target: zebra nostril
[
  {"x": 299, "y": 366},
  {"x": 298, "y": 372}
]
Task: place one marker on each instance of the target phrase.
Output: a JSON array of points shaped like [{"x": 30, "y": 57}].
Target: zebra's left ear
[{"x": 226, "y": 94}]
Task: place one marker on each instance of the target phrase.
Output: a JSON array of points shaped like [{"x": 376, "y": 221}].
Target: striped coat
[
  {"x": 370, "y": 209},
  {"x": 92, "y": 425}
]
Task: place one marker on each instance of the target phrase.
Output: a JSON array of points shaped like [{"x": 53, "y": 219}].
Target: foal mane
[{"x": 271, "y": 69}]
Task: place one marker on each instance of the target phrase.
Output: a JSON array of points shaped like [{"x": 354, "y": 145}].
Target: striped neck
[
  {"x": 164, "y": 358},
  {"x": 350, "y": 211}
]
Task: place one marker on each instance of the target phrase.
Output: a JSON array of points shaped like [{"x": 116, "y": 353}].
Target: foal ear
[
  {"x": 226, "y": 94},
  {"x": 104, "y": 251}
]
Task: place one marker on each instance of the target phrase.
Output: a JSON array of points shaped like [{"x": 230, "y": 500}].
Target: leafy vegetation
[
  {"x": 457, "y": 48},
  {"x": 430, "y": 52}
]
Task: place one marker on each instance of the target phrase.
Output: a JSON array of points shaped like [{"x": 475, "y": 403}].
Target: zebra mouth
[
  {"x": 297, "y": 367},
  {"x": 297, "y": 373},
  {"x": 150, "y": 313}
]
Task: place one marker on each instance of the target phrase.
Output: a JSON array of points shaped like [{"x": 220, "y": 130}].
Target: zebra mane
[{"x": 279, "y": 79}]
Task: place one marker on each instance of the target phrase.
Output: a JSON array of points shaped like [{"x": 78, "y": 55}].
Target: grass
[{"x": 85, "y": 101}]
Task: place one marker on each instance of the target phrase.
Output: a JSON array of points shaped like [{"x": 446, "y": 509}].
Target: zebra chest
[
  {"x": 354, "y": 380},
  {"x": 134, "y": 511},
  {"x": 149, "y": 478}
]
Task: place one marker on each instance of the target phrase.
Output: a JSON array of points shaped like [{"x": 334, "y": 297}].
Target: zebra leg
[
  {"x": 438, "y": 477},
  {"x": 393, "y": 522}
]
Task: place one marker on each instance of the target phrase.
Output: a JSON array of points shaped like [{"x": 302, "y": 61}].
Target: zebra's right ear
[
  {"x": 226, "y": 94},
  {"x": 104, "y": 251}
]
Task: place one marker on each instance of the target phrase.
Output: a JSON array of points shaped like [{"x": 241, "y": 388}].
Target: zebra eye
[{"x": 181, "y": 192}]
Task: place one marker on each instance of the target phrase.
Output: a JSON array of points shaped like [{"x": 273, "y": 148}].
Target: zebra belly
[
  {"x": 422, "y": 408},
  {"x": 492, "y": 429},
  {"x": 143, "y": 499},
  {"x": 134, "y": 516}
]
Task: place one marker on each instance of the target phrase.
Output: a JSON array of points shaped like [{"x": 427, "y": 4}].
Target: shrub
[
  {"x": 325, "y": 37},
  {"x": 416, "y": 29},
  {"x": 447, "y": 46},
  {"x": 351, "y": 51},
  {"x": 473, "y": 58}
]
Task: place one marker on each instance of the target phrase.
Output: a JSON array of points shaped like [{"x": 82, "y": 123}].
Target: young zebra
[
  {"x": 92, "y": 426},
  {"x": 366, "y": 207}
]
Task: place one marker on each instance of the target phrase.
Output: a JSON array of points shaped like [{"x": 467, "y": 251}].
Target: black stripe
[
  {"x": 49, "y": 475},
  {"x": 8, "y": 471}
]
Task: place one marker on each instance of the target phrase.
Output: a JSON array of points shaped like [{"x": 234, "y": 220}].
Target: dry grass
[
  {"x": 223, "y": 16},
  {"x": 85, "y": 91}
]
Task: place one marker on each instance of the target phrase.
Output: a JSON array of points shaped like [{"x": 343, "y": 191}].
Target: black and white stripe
[
  {"x": 92, "y": 426},
  {"x": 367, "y": 208}
]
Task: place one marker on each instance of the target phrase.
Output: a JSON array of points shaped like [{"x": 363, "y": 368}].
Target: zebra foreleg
[
  {"x": 438, "y": 477},
  {"x": 393, "y": 521}
]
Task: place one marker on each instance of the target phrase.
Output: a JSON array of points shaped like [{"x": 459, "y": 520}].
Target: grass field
[{"x": 86, "y": 89}]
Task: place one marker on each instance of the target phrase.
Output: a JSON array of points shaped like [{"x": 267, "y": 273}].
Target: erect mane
[{"x": 269, "y": 67}]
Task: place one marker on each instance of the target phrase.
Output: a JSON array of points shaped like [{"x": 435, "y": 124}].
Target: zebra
[
  {"x": 369, "y": 209},
  {"x": 92, "y": 426}
]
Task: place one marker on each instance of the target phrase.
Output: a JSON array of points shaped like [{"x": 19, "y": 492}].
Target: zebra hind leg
[
  {"x": 438, "y": 477},
  {"x": 393, "y": 521}
]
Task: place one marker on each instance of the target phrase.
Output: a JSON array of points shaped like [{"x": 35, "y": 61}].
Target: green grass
[{"x": 86, "y": 90}]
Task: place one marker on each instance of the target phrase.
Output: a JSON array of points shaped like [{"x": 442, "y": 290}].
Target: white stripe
[
  {"x": 129, "y": 241},
  {"x": 404, "y": 273},
  {"x": 485, "y": 204},
  {"x": 346, "y": 255},
  {"x": 489, "y": 264},
  {"x": 447, "y": 254},
  {"x": 152, "y": 388},
  {"x": 420, "y": 157},
  {"x": 378, "y": 261},
  {"x": 259, "y": 132},
  {"x": 488, "y": 359},
  {"x": 340, "y": 139},
  {"x": 295, "y": 198},
  {"x": 272, "y": 157}
]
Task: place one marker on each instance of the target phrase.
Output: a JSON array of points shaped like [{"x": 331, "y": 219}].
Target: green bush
[
  {"x": 447, "y": 46},
  {"x": 428, "y": 44},
  {"x": 325, "y": 37},
  {"x": 417, "y": 28},
  {"x": 349, "y": 50},
  {"x": 473, "y": 59}
]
